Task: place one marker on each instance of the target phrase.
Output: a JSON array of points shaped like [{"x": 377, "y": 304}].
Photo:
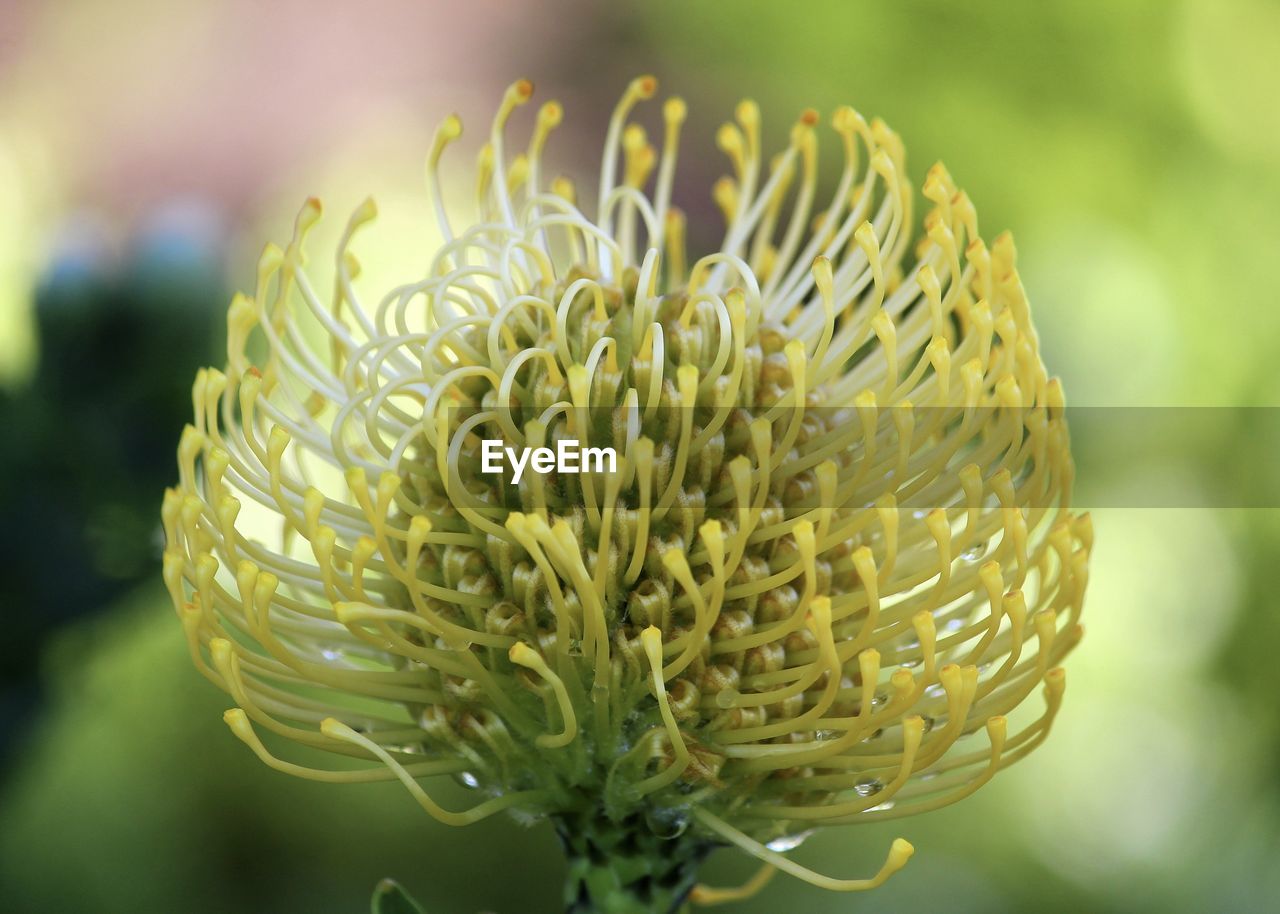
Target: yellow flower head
[{"x": 822, "y": 557}]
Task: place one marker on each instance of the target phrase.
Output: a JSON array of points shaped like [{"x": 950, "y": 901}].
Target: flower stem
[{"x": 625, "y": 867}]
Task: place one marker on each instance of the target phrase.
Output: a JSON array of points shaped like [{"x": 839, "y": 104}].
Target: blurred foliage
[
  {"x": 94, "y": 429},
  {"x": 1133, "y": 146},
  {"x": 138, "y": 789}
]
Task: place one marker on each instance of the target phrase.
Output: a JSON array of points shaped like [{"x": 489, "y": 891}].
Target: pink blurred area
[{"x": 142, "y": 101}]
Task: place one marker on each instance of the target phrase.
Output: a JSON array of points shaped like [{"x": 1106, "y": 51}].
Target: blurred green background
[{"x": 148, "y": 149}]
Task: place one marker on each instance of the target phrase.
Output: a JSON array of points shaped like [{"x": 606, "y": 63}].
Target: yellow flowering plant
[{"x": 830, "y": 563}]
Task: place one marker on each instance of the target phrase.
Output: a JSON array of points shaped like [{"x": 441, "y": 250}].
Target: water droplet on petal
[
  {"x": 788, "y": 842},
  {"x": 467, "y": 779},
  {"x": 868, "y": 787},
  {"x": 667, "y": 823}
]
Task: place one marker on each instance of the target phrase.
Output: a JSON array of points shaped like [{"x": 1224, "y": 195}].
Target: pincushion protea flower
[{"x": 833, "y": 559}]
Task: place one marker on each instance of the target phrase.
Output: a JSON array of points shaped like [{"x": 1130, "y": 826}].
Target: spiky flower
[{"x": 833, "y": 552}]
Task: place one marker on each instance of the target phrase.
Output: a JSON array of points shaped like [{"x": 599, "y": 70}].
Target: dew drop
[
  {"x": 467, "y": 779},
  {"x": 667, "y": 823},
  {"x": 973, "y": 553},
  {"x": 524, "y": 817},
  {"x": 788, "y": 842},
  {"x": 887, "y": 804},
  {"x": 868, "y": 787}
]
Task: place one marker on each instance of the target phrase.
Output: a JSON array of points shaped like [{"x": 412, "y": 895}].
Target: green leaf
[{"x": 390, "y": 898}]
